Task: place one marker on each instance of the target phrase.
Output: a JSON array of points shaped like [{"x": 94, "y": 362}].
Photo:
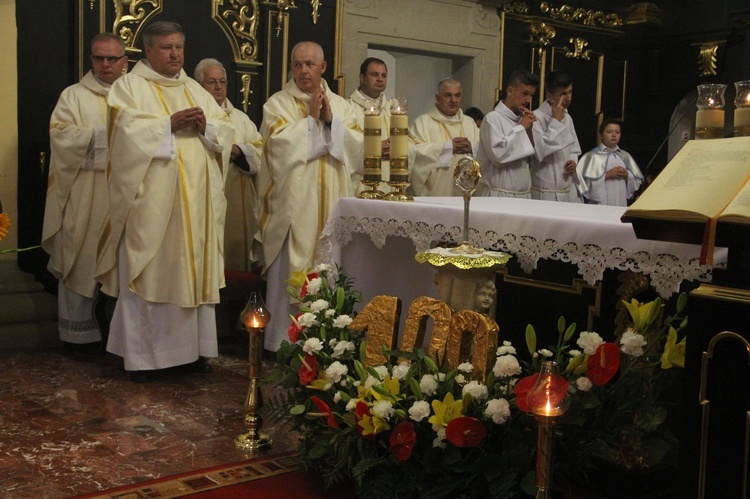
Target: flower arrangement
[
  {"x": 5, "y": 229},
  {"x": 408, "y": 428}
]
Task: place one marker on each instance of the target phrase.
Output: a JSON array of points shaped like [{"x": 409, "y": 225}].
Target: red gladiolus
[
  {"x": 402, "y": 441},
  {"x": 465, "y": 432},
  {"x": 323, "y": 407},
  {"x": 603, "y": 365},
  {"x": 522, "y": 388},
  {"x": 294, "y": 329},
  {"x": 303, "y": 290},
  {"x": 308, "y": 370}
]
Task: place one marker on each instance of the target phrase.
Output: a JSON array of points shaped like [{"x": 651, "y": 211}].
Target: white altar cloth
[{"x": 591, "y": 237}]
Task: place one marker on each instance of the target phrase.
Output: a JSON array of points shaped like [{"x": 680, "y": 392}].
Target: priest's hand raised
[{"x": 189, "y": 117}]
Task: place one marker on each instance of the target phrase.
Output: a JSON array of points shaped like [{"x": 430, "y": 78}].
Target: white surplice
[{"x": 595, "y": 163}]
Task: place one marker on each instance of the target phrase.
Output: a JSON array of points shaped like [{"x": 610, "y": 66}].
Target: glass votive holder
[
  {"x": 709, "y": 119},
  {"x": 742, "y": 109}
]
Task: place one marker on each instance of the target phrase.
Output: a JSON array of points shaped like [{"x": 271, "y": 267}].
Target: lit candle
[
  {"x": 709, "y": 123},
  {"x": 373, "y": 142},
  {"x": 742, "y": 121}
]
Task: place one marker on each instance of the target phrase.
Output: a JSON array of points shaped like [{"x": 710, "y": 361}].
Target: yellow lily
[
  {"x": 372, "y": 425},
  {"x": 643, "y": 314},
  {"x": 446, "y": 411},
  {"x": 674, "y": 353},
  {"x": 320, "y": 383},
  {"x": 298, "y": 278},
  {"x": 391, "y": 386}
]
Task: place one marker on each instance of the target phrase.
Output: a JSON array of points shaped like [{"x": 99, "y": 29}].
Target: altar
[{"x": 376, "y": 241}]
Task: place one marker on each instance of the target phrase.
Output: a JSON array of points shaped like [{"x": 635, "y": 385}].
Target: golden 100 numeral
[{"x": 456, "y": 336}]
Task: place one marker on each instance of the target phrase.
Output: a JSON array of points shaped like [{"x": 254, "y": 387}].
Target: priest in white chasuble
[
  {"x": 162, "y": 254},
  {"x": 76, "y": 206},
  {"x": 439, "y": 136},
  {"x": 507, "y": 140},
  {"x": 373, "y": 78},
  {"x": 241, "y": 250},
  {"x": 312, "y": 146}
]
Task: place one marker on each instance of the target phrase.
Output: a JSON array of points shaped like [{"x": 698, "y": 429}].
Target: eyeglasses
[
  {"x": 212, "y": 82},
  {"x": 110, "y": 59}
]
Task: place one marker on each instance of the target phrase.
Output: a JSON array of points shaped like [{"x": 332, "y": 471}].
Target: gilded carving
[
  {"x": 283, "y": 6},
  {"x": 579, "y": 50},
  {"x": 245, "y": 91},
  {"x": 540, "y": 34},
  {"x": 315, "y": 6},
  {"x": 242, "y": 32},
  {"x": 516, "y": 8},
  {"x": 472, "y": 336},
  {"x": 127, "y": 24},
  {"x": 707, "y": 59},
  {"x": 588, "y": 17}
]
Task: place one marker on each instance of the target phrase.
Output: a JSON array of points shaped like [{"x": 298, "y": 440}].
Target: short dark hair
[
  {"x": 523, "y": 77},
  {"x": 160, "y": 28},
  {"x": 366, "y": 63},
  {"x": 475, "y": 113},
  {"x": 557, "y": 79},
  {"x": 100, "y": 37},
  {"x": 609, "y": 121}
]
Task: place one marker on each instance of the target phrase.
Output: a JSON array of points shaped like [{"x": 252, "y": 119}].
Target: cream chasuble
[
  {"x": 170, "y": 212},
  {"x": 297, "y": 192},
  {"x": 432, "y": 168},
  {"x": 242, "y": 195},
  {"x": 76, "y": 207}
]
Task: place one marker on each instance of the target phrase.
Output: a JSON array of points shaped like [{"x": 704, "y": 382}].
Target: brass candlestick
[
  {"x": 548, "y": 399},
  {"x": 373, "y": 151},
  {"x": 399, "y": 164},
  {"x": 255, "y": 316}
]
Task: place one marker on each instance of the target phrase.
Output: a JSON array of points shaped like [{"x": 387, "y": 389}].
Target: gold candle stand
[{"x": 255, "y": 316}]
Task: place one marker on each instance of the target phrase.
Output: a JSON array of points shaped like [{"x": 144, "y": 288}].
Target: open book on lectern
[{"x": 706, "y": 180}]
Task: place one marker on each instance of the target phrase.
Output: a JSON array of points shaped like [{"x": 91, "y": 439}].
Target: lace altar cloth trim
[{"x": 666, "y": 271}]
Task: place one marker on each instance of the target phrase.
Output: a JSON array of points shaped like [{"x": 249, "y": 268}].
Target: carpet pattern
[{"x": 204, "y": 480}]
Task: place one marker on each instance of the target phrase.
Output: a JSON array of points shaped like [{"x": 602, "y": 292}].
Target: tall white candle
[{"x": 400, "y": 140}]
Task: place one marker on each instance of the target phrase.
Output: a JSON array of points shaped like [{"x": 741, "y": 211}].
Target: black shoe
[
  {"x": 138, "y": 376},
  {"x": 95, "y": 347},
  {"x": 200, "y": 366}
]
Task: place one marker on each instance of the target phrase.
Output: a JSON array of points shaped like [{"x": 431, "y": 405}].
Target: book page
[
  {"x": 699, "y": 181},
  {"x": 738, "y": 210}
]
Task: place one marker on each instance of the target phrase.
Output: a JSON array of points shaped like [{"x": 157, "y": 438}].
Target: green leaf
[
  {"x": 297, "y": 410},
  {"x": 430, "y": 364},
  {"x": 414, "y": 385},
  {"x": 570, "y": 332},
  {"x": 531, "y": 339}
]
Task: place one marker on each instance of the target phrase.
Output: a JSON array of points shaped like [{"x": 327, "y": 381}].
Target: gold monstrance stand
[
  {"x": 255, "y": 316},
  {"x": 463, "y": 268}
]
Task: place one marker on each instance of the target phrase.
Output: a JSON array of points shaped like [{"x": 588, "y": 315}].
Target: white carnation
[
  {"x": 428, "y": 385},
  {"x": 336, "y": 397},
  {"x": 319, "y": 305},
  {"x": 589, "y": 342},
  {"x": 545, "y": 353},
  {"x": 440, "y": 438},
  {"x": 342, "y": 321},
  {"x": 382, "y": 371},
  {"x": 330, "y": 312},
  {"x": 314, "y": 285},
  {"x": 506, "y": 349},
  {"x": 312, "y": 345},
  {"x": 351, "y": 405},
  {"x": 574, "y": 353},
  {"x": 419, "y": 410},
  {"x": 370, "y": 381},
  {"x": 498, "y": 410},
  {"x": 477, "y": 390},
  {"x": 335, "y": 371},
  {"x": 632, "y": 343},
  {"x": 307, "y": 319},
  {"x": 342, "y": 348},
  {"x": 401, "y": 370},
  {"x": 506, "y": 366},
  {"x": 322, "y": 267},
  {"x": 460, "y": 379},
  {"x": 383, "y": 409},
  {"x": 465, "y": 367},
  {"x": 584, "y": 384}
]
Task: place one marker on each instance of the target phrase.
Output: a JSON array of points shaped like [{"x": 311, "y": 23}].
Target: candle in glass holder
[
  {"x": 709, "y": 119},
  {"x": 742, "y": 109},
  {"x": 399, "y": 135}
]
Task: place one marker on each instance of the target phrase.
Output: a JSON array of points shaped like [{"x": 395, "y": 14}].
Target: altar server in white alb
[
  {"x": 439, "y": 136},
  {"x": 162, "y": 254},
  {"x": 76, "y": 207},
  {"x": 507, "y": 141},
  {"x": 611, "y": 174},
  {"x": 241, "y": 250},
  {"x": 554, "y": 176},
  {"x": 312, "y": 146},
  {"x": 373, "y": 78}
]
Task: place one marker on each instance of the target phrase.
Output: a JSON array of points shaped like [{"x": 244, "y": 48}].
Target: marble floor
[{"x": 71, "y": 423}]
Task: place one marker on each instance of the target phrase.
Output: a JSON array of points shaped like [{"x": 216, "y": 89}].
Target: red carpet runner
[{"x": 270, "y": 477}]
